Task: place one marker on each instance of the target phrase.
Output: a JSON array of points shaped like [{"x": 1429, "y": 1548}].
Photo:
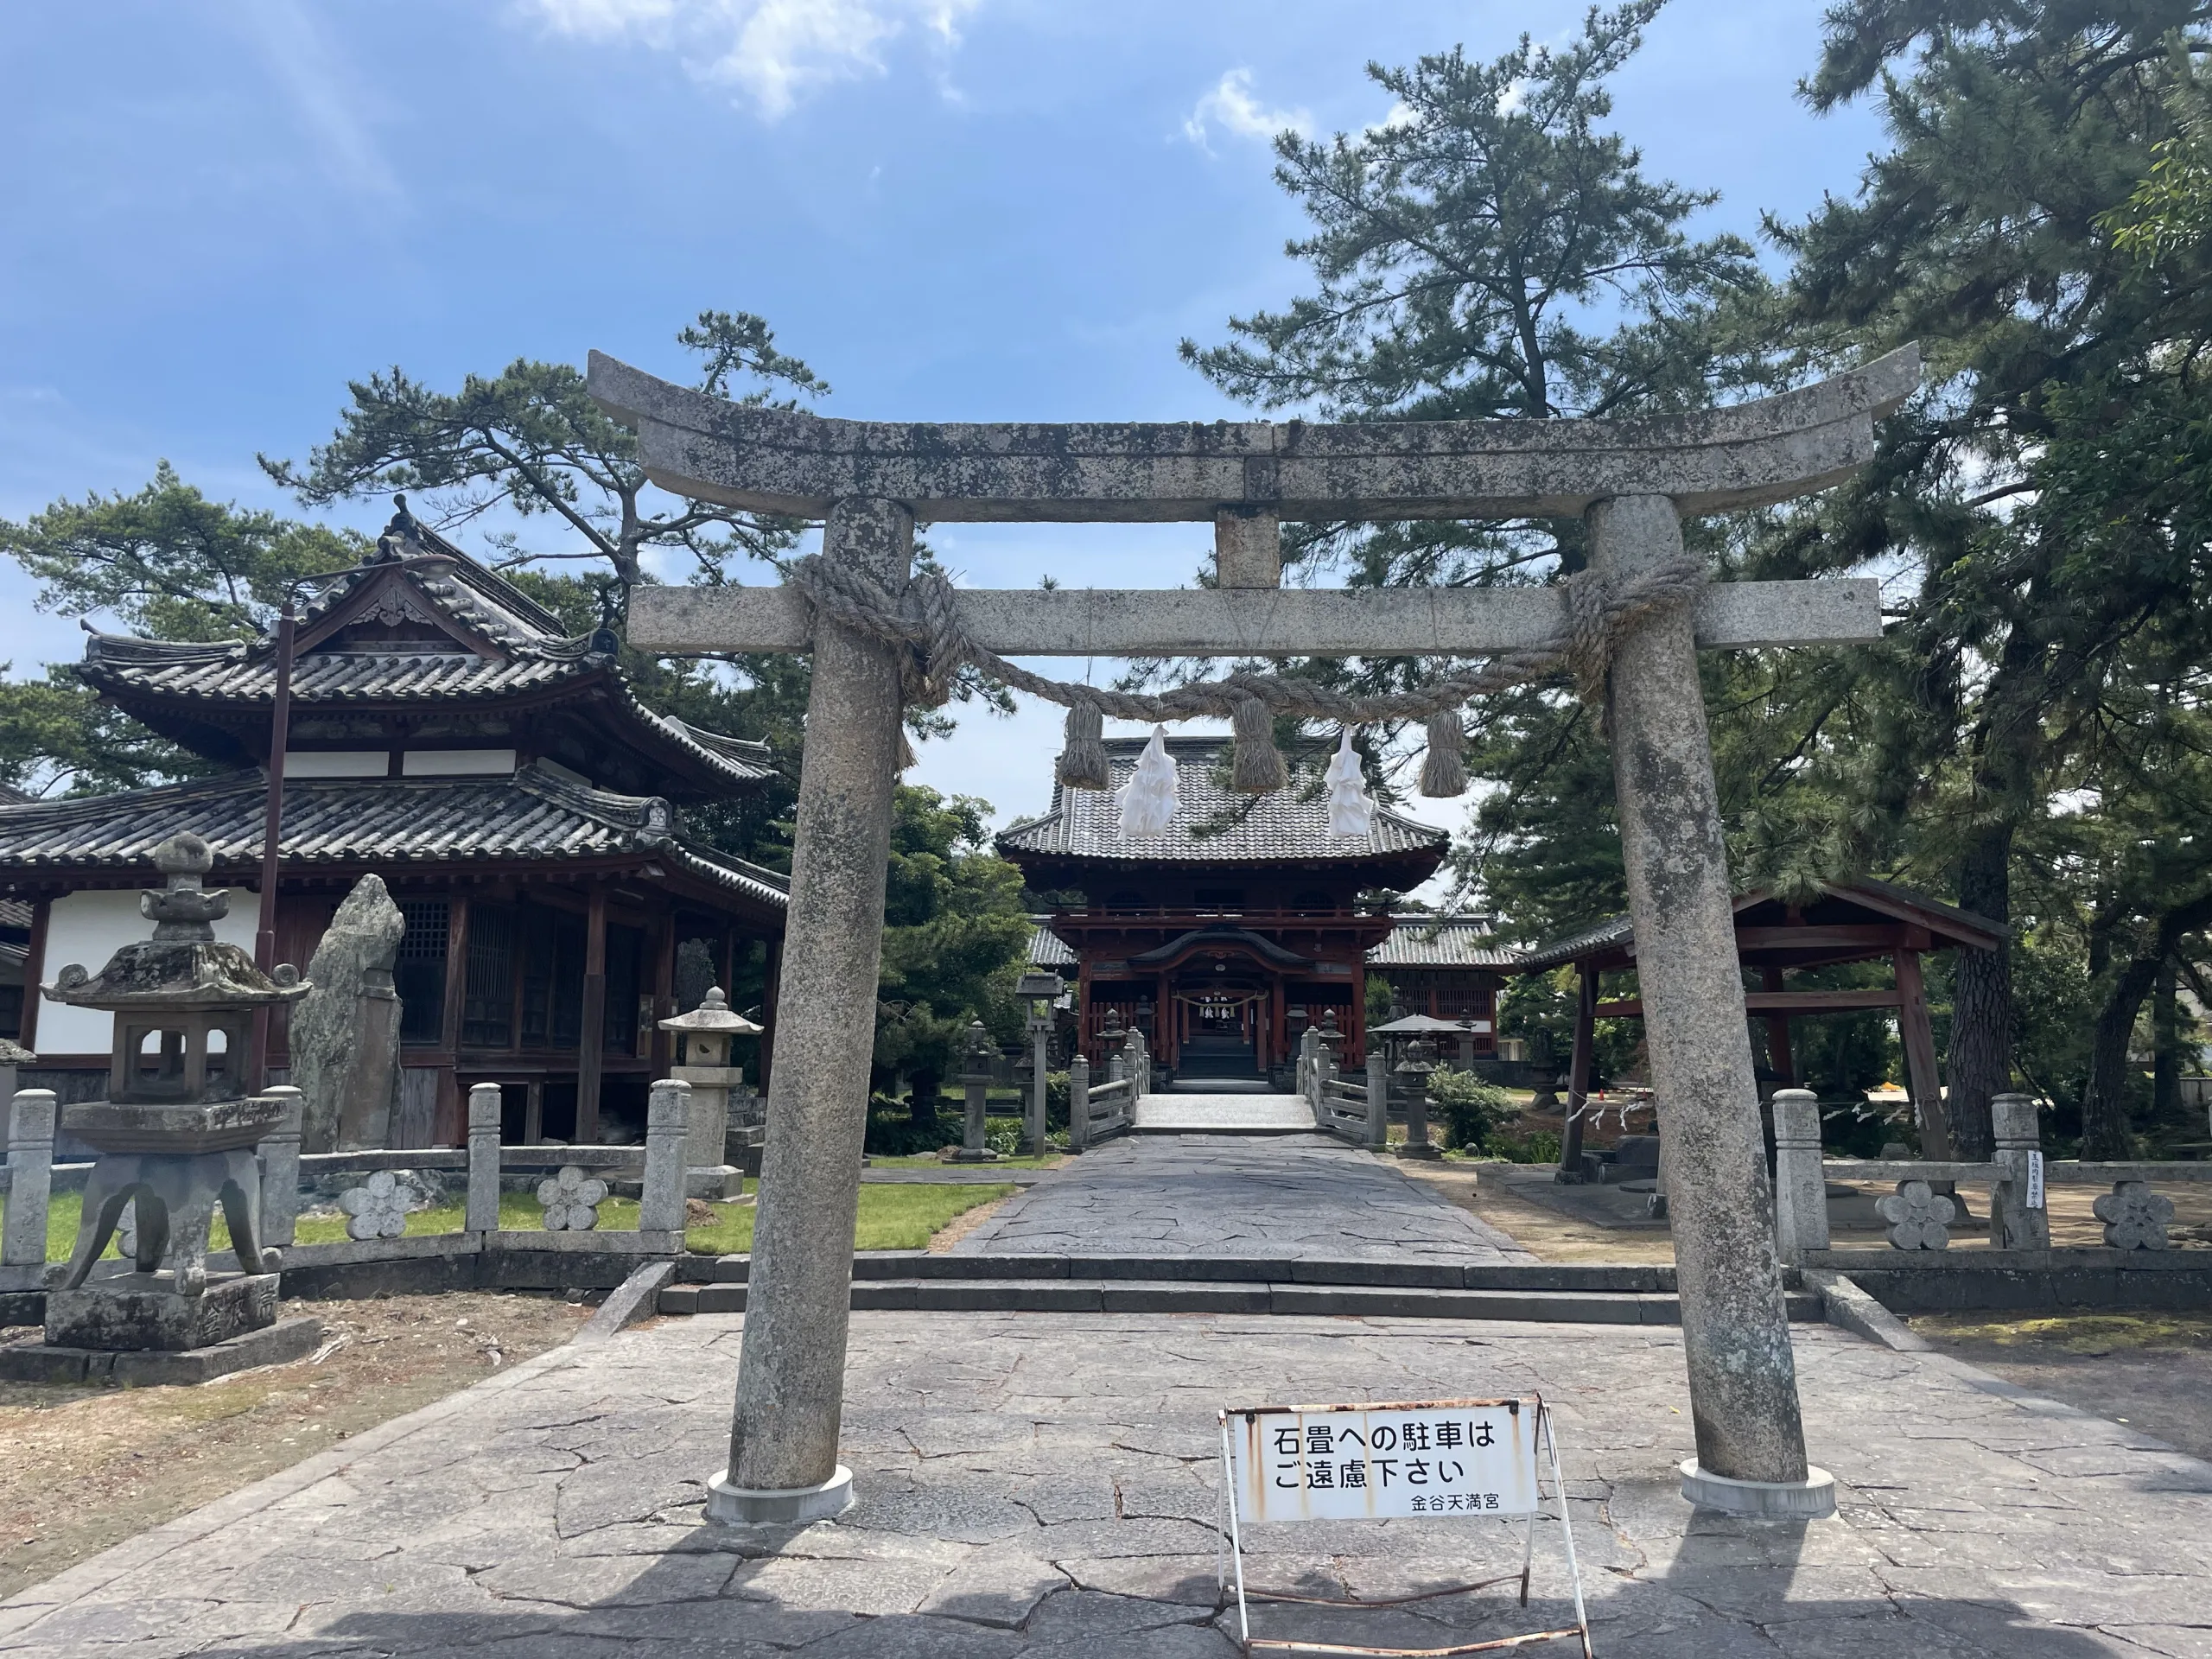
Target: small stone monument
[
  {"x": 344, "y": 1035},
  {"x": 705, "y": 1034},
  {"x": 976, "y": 1081},
  {"x": 176, "y": 1137}
]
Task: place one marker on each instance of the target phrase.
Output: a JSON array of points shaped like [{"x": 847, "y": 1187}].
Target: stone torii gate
[{"x": 1631, "y": 481}]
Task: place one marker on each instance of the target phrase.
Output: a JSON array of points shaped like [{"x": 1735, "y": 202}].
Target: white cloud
[
  {"x": 327, "y": 99},
  {"x": 774, "y": 51},
  {"x": 1232, "y": 106}
]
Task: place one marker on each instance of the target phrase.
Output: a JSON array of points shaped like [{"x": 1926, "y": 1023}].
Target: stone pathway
[
  {"x": 1045, "y": 1485},
  {"x": 1287, "y": 1196},
  {"x": 1199, "y": 1114}
]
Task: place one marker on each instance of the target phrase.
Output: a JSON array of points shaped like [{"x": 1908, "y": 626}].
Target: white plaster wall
[{"x": 88, "y": 928}]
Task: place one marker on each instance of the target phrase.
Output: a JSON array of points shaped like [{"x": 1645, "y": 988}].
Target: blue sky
[{"x": 953, "y": 209}]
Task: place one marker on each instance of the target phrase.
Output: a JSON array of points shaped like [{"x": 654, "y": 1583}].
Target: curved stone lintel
[{"x": 782, "y": 460}]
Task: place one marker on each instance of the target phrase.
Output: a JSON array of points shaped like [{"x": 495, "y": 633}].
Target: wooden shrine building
[
  {"x": 1858, "y": 921},
  {"x": 1224, "y": 937},
  {"x": 524, "y": 809}
]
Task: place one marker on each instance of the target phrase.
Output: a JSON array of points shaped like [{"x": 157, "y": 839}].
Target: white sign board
[
  {"x": 1350, "y": 1463},
  {"x": 2035, "y": 1180}
]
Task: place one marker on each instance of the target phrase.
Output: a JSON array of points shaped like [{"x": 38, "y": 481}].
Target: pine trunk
[
  {"x": 1980, "y": 1055},
  {"x": 2104, "y": 1106},
  {"x": 2166, "y": 1044}
]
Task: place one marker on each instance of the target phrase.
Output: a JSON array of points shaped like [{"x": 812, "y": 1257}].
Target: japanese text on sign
[{"x": 1313, "y": 1462}]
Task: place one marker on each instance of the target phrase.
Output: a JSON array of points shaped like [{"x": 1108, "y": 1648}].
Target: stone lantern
[
  {"x": 976, "y": 1081},
  {"x": 1418, "y": 1065},
  {"x": 177, "y": 1132},
  {"x": 703, "y": 1062},
  {"x": 1040, "y": 989}
]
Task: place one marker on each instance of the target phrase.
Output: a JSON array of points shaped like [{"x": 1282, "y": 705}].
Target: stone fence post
[
  {"x": 1309, "y": 1048},
  {"x": 1800, "y": 1189},
  {"x": 668, "y": 1121},
  {"x": 1378, "y": 1098},
  {"x": 1139, "y": 1066},
  {"x": 280, "y": 1169},
  {"x": 2019, "y": 1137},
  {"x": 483, "y": 1213},
  {"x": 30, "y": 1179},
  {"x": 1079, "y": 1103}
]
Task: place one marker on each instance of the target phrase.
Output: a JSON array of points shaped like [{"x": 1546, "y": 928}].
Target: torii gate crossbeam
[{"x": 1631, "y": 480}]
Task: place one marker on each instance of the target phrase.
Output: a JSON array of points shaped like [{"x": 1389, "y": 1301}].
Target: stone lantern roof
[
  {"x": 713, "y": 1017},
  {"x": 184, "y": 966}
]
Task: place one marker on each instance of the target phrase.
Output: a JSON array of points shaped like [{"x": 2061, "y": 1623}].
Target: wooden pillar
[
  {"x": 1920, "y": 1058},
  {"x": 1778, "y": 1057},
  {"x": 662, "y": 1046},
  {"x": 451, "y": 1126},
  {"x": 1355, "y": 1036},
  {"x": 33, "y": 971},
  {"x": 591, "y": 1040},
  {"x": 1580, "y": 1061}
]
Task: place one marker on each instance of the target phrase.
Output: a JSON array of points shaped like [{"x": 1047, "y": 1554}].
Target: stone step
[
  {"x": 1126, "y": 1296},
  {"x": 1413, "y": 1275}
]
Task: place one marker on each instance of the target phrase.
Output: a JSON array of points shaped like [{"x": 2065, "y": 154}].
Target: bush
[
  {"x": 1469, "y": 1109},
  {"x": 892, "y": 1132},
  {"x": 1533, "y": 1147}
]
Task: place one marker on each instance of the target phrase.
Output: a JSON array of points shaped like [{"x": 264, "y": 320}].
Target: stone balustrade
[
  {"x": 376, "y": 1210},
  {"x": 1918, "y": 1217}
]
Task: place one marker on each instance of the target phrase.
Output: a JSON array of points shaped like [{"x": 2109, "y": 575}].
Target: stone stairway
[
  {"x": 919, "y": 1280},
  {"x": 1214, "y": 1113}
]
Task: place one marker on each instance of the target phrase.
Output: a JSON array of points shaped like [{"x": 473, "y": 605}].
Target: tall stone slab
[
  {"x": 783, "y": 1450},
  {"x": 345, "y": 1033},
  {"x": 1736, "y": 1331}
]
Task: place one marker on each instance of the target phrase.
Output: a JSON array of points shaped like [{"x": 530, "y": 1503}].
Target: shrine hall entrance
[{"x": 1219, "y": 1026}]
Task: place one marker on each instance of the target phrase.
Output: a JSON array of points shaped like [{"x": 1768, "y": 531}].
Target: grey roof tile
[
  {"x": 387, "y": 821},
  {"x": 1214, "y": 825}
]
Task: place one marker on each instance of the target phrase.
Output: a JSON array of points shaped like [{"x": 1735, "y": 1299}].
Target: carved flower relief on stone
[
  {"x": 1919, "y": 1219},
  {"x": 377, "y": 1209},
  {"x": 2135, "y": 1218},
  {"x": 571, "y": 1200}
]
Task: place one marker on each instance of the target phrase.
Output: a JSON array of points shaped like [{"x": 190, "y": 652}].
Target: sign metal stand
[{"x": 1306, "y": 1450}]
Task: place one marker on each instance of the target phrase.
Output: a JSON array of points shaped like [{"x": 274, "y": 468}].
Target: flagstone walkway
[
  {"x": 1045, "y": 1485},
  {"x": 1288, "y": 1196}
]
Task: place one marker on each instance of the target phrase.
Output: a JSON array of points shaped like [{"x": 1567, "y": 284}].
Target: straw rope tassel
[
  {"x": 1083, "y": 750},
  {"x": 1444, "y": 771},
  {"x": 1258, "y": 768}
]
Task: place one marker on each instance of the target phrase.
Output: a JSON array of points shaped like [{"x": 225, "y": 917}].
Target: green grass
[
  {"x": 930, "y": 1160},
  {"x": 894, "y": 1216}
]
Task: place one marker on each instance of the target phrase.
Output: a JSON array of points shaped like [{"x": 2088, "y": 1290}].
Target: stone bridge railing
[
  {"x": 1357, "y": 1112},
  {"x": 2135, "y": 1218},
  {"x": 377, "y": 1208},
  {"x": 1098, "y": 1110}
]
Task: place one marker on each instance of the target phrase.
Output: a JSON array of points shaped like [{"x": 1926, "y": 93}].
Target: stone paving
[
  {"x": 1197, "y": 1195},
  {"x": 1046, "y": 1486}
]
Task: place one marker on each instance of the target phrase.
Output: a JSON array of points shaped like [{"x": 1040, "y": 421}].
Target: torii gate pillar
[
  {"x": 1735, "y": 1325},
  {"x": 783, "y": 1443},
  {"x": 1633, "y": 481}
]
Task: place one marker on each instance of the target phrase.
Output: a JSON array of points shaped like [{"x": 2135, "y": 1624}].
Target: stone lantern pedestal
[
  {"x": 976, "y": 1084},
  {"x": 705, "y": 1034},
  {"x": 175, "y": 1138}
]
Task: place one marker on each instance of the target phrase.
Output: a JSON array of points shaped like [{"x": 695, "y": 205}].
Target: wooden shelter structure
[
  {"x": 1858, "y": 921},
  {"x": 524, "y": 809}
]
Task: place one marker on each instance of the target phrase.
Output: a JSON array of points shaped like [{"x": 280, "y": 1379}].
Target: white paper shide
[{"x": 1149, "y": 798}]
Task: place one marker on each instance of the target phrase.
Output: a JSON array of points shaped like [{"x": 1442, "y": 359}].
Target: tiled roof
[
  {"x": 1047, "y": 950},
  {"x": 1214, "y": 825},
  {"x": 1442, "y": 942},
  {"x": 533, "y": 815},
  {"x": 528, "y": 652}
]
